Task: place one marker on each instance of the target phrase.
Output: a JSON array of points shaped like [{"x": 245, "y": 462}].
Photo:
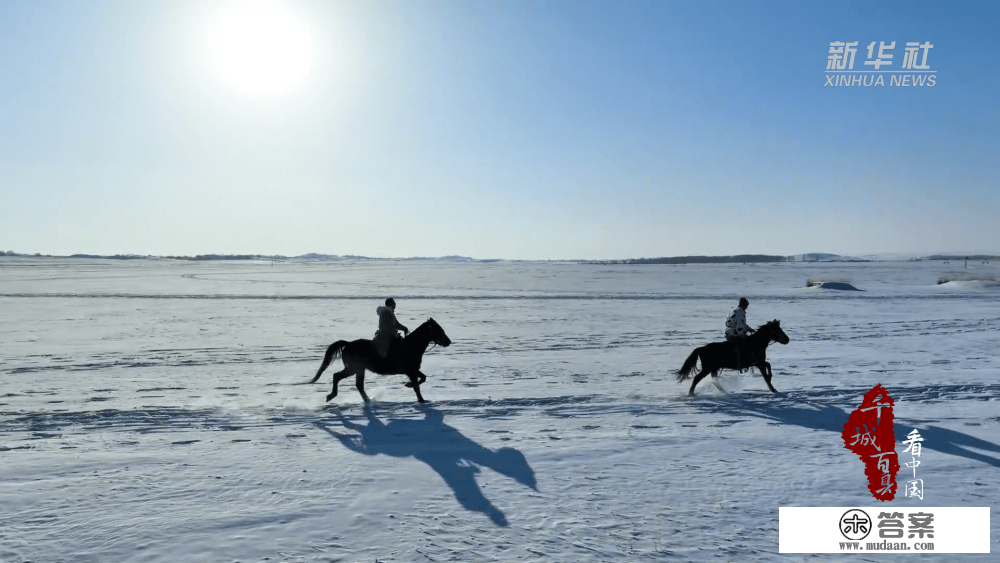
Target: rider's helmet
[
  {"x": 744, "y": 303},
  {"x": 390, "y": 302}
]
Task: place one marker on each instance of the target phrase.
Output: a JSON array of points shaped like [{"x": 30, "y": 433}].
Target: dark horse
[
  {"x": 405, "y": 356},
  {"x": 722, "y": 355}
]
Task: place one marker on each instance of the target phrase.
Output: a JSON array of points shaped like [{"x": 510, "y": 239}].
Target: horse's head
[
  {"x": 776, "y": 334},
  {"x": 437, "y": 334}
]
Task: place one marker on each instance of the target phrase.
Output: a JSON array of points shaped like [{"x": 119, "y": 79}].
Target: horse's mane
[
  {"x": 424, "y": 326},
  {"x": 768, "y": 323}
]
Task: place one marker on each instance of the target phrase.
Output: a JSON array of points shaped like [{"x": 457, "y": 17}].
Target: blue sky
[{"x": 531, "y": 130}]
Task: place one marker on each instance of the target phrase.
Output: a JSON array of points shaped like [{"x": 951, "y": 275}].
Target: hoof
[
  {"x": 409, "y": 384},
  {"x": 330, "y": 396}
]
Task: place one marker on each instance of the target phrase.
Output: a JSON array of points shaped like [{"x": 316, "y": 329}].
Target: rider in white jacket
[
  {"x": 736, "y": 324},
  {"x": 387, "y": 327},
  {"x": 737, "y": 329}
]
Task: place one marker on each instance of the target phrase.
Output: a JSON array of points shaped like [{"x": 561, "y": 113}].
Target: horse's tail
[
  {"x": 332, "y": 353},
  {"x": 689, "y": 365}
]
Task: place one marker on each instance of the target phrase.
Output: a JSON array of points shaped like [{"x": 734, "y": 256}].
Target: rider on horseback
[
  {"x": 737, "y": 329},
  {"x": 387, "y": 327}
]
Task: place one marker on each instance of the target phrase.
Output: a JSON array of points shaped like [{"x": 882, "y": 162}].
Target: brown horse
[
  {"x": 722, "y": 355},
  {"x": 404, "y": 357}
]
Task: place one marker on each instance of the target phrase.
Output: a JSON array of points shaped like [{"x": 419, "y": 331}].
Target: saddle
[{"x": 393, "y": 348}]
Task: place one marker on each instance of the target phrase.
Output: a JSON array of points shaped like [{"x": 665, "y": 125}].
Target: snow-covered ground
[{"x": 154, "y": 410}]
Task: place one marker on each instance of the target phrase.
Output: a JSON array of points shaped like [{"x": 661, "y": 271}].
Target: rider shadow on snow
[
  {"x": 456, "y": 458},
  {"x": 818, "y": 416}
]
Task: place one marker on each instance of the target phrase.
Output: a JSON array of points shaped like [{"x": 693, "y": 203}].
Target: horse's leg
[
  {"x": 336, "y": 379},
  {"x": 715, "y": 380},
  {"x": 360, "y": 384},
  {"x": 765, "y": 370},
  {"x": 416, "y": 378},
  {"x": 422, "y": 379},
  {"x": 697, "y": 378}
]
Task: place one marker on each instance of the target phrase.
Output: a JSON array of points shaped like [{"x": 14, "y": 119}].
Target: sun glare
[{"x": 260, "y": 48}]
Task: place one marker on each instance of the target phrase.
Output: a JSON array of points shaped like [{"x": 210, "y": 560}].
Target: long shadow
[
  {"x": 456, "y": 459},
  {"x": 819, "y": 416}
]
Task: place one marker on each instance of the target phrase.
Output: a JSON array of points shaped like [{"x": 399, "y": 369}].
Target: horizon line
[{"x": 704, "y": 258}]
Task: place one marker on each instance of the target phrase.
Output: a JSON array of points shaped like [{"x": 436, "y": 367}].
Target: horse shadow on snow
[
  {"x": 820, "y": 415},
  {"x": 456, "y": 458}
]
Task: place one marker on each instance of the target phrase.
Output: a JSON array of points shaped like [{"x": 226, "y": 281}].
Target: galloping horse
[
  {"x": 722, "y": 355},
  {"x": 404, "y": 358}
]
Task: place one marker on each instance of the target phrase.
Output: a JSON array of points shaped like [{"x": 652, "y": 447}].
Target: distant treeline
[
  {"x": 12, "y": 253},
  {"x": 738, "y": 259}
]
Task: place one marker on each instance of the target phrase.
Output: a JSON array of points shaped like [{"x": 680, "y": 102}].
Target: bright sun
[{"x": 260, "y": 48}]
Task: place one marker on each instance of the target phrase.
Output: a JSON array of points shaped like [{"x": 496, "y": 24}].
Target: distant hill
[
  {"x": 826, "y": 257},
  {"x": 115, "y": 257},
  {"x": 225, "y": 257},
  {"x": 739, "y": 258}
]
